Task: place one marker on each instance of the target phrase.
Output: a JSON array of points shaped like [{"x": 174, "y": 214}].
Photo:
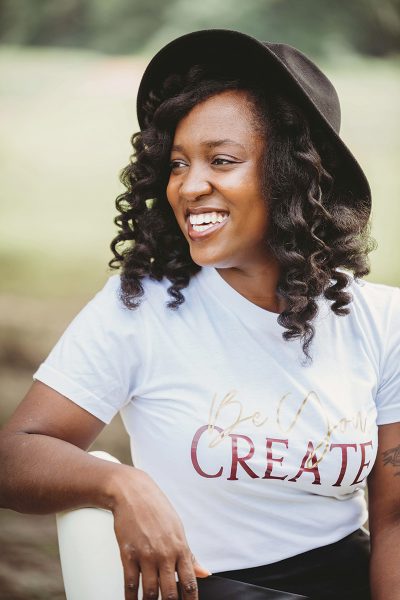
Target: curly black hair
[{"x": 315, "y": 230}]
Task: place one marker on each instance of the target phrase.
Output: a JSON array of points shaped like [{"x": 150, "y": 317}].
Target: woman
[{"x": 261, "y": 397}]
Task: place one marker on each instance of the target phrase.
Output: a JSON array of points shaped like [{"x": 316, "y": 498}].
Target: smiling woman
[
  {"x": 223, "y": 175},
  {"x": 264, "y": 395}
]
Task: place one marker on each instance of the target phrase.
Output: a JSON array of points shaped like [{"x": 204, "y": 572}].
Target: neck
[{"x": 257, "y": 283}]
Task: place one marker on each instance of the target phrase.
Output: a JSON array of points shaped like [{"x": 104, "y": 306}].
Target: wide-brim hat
[{"x": 277, "y": 64}]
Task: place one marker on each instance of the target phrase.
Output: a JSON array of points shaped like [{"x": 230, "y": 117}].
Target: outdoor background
[{"x": 69, "y": 74}]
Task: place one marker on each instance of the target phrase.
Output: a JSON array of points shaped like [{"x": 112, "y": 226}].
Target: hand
[{"x": 152, "y": 540}]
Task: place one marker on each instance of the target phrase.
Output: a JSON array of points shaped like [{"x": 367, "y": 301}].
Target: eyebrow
[{"x": 212, "y": 144}]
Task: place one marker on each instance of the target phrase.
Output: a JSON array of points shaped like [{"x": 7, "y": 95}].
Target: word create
[{"x": 274, "y": 460}]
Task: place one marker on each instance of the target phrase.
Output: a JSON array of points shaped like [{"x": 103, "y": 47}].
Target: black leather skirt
[{"x": 332, "y": 572}]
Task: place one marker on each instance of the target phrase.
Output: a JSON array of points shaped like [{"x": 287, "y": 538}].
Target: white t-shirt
[{"x": 261, "y": 457}]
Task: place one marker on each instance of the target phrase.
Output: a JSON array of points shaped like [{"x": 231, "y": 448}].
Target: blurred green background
[{"x": 69, "y": 73}]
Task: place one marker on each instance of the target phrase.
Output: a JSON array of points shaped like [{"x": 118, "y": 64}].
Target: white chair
[{"x": 89, "y": 553}]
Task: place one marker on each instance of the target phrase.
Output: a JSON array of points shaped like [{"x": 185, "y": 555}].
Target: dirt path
[{"x": 29, "y": 563}]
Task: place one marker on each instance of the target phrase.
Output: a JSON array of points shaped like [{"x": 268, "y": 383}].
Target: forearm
[
  {"x": 385, "y": 563},
  {"x": 40, "y": 474}
]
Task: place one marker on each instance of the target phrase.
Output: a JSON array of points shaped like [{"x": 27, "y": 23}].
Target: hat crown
[{"x": 311, "y": 79}]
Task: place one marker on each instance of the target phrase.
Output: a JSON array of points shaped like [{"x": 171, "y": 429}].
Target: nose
[{"x": 195, "y": 183}]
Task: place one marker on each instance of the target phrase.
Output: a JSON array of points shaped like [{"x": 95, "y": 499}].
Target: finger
[
  {"x": 187, "y": 578},
  {"x": 199, "y": 571},
  {"x": 149, "y": 580},
  {"x": 168, "y": 584},
  {"x": 131, "y": 579}
]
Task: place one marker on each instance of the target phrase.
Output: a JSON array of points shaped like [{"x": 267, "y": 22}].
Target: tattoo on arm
[{"x": 392, "y": 457}]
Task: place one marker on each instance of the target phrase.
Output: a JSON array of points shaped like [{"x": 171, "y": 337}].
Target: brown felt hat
[{"x": 276, "y": 64}]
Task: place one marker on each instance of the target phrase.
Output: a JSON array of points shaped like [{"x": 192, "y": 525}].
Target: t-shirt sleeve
[
  {"x": 98, "y": 360},
  {"x": 388, "y": 393}
]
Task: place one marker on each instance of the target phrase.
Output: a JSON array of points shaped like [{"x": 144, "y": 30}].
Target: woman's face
[{"x": 216, "y": 160}]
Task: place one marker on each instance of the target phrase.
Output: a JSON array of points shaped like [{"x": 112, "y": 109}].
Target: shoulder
[
  {"x": 110, "y": 294},
  {"x": 106, "y": 322},
  {"x": 372, "y": 292},
  {"x": 108, "y": 304},
  {"x": 374, "y": 311},
  {"x": 373, "y": 300}
]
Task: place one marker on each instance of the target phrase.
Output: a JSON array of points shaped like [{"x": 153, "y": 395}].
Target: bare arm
[
  {"x": 44, "y": 468},
  {"x": 384, "y": 515},
  {"x": 42, "y": 448}
]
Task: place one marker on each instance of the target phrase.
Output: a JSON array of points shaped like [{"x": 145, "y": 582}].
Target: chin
[{"x": 212, "y": 261}]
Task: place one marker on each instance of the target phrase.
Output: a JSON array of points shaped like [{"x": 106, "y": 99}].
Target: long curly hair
[{"x": 315, "y": 230}]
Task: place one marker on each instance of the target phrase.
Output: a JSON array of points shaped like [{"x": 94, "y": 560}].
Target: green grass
[{"x": 67, "y": 118}]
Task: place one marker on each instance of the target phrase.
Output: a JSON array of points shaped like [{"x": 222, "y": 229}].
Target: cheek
[
  {"x": 171, "y": 193},
  {"x": 258, "y": 215}
]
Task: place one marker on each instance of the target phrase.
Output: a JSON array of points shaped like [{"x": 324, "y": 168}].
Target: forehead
[{"x": 228, "y": 114}]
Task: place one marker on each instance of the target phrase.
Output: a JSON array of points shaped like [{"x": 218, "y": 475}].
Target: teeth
[
  {"x": 202, "y": 227},
  {"x": 213, "y": 217}
]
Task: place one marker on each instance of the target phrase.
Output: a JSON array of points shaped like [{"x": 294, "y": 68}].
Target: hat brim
[{"x": 245, "y": 54}]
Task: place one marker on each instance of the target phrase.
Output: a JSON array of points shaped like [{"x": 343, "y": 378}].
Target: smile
[{"x": 199, "y": 232}]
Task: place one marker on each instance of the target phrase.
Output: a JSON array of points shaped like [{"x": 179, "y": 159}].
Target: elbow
[{"x": 9, "y": 443}]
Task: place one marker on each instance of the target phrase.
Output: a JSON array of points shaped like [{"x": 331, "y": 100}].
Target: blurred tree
[
  {"x": 125, "y": 26},
  {"x": 366, "y": 26},
  {"x": 105, "y": 25},
  {"x": 376, "y": 26},
  {"x": 44, "y": 22}
]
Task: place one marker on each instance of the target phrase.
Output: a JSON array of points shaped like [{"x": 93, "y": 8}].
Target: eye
[
  {"x": 223, "y": 161},
  {"x": 174, "y": 164}
]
